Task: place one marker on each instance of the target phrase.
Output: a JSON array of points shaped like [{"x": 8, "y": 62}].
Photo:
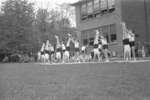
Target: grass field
[{"x": 114, "y": 81}]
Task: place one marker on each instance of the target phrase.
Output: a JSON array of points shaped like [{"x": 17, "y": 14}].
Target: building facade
[{"x": 107, "y": 15}]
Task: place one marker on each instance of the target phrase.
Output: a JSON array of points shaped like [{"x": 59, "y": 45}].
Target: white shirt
[
  {"x": 132, "y": 38},
  {"x": 104, "y": 41},
  {"x": 63, "y": 47},
  {"x": 51, "y": 48},
  {"x": 76, "y": 44},
  {"x": 83, "y": 48},
  {"x": 46, "y": 47},
  {"x": 100, "y": 46},
  {"x": 96, "y": 40},
  {"x": 43, "y": 46},
  {"x": 68, "y": 42},
  {"x": 58, "y": 46}
]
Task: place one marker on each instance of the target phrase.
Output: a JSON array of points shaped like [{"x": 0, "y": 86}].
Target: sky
[
  {"x": 48, "y": 3},
  {"x": 51, "y": 3}
]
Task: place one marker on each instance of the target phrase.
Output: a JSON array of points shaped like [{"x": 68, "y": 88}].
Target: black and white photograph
[{"x": 74, "y": 49}]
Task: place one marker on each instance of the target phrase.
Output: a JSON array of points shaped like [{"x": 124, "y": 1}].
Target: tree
[
  {"x": 16, "y": 21},
  {"x": 42, "y": 19}
]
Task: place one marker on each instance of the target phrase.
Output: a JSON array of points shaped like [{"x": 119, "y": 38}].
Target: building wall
[
  {"x": 130, "y": 11},
  {"x": 148, "y": 17},
  {"x": 133, "y": 14},
  {"x": 102, "y": 20}
]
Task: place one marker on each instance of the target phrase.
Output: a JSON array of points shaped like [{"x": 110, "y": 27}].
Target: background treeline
[{"x": 23, "y": 29}]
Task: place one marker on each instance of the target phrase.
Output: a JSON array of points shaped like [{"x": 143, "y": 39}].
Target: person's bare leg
[
  {"x": 133, "y": 52},
  {"x": 106, "y": 55}
]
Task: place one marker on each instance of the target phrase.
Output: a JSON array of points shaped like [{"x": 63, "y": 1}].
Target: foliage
[
  {"x": 16, "y": 22},
  {"x": 23, "y": 30}
]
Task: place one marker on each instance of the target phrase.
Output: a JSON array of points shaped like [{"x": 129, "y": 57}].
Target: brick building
[{"x": 107, "y": 15}]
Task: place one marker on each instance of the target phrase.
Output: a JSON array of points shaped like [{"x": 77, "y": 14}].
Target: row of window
[
  {"x": 95, "y": 6},
  {"x": 108, "y": 31}
]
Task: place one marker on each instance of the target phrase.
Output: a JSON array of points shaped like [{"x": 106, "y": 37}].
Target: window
[
  {"x": 83, "y": 9},
  {"x": 113, "y": 35},
  {"x": 103, "y": 4},
  {"x": 85, "y": 41},
  {"x": 111, "y": 5},
  {"x": 105, "y": 32},
  {"x": 84, "y": 37},
  {"x": 91, "y": 41},
  {"x": 89, "y": 7},
  {"x": 96, "y": 5}
]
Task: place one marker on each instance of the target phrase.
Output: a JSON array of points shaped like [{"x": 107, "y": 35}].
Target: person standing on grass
[
  {"x": 63, "y": 51},
  {"x": 76, "y": 45},
  {"x": 67, "y": 51},
  {"x": 143, "y": 52},
  {"x": 52, "y": 52},
  {"x": 41, "y": 54},
  {"x": 126, "y": 43},
  {"x": 105, "y": 48},
  {"x": 132, "y": 44},
  {"x": 58, "y": 49},
  {"x": 47, "y": 48},
  {"x": 96, "y": 42},
  {"x": 42, "y": 49}
]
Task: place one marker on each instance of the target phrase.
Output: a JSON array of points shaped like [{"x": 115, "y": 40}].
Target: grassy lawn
[{"x": 115, "y": 81}]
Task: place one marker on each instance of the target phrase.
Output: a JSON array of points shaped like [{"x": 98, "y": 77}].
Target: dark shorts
[
  {"x": 42, "y": 52},
  {"x": 83, "y": 51},
  {"x": 46, "y": 51},
  {"x": 58, "y": 49},
  {"x": 126, "y": 41},
  {"x": 95, "y": 45},
  {"x": 77, "y": 49},
  {"x": 63, "y": 50},
  {"x": 68, "y": 48},
  {"x": 100, "y": 50},
  {"x": 105, "y": 46},
  {"x": 132, "y": 44},
  {"x": 92, "y": 54},
  {"x": 52, "y": 52}
]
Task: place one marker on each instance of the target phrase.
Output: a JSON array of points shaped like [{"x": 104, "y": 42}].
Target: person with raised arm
[
  {"x": 96, "y": 50},
  {"x": 42, "y": 49},
  {"x": 105, "y": 48},
  {"x": 126, "y": 43},
  {"x": 58, "y": 49},
  {"x": 52, "y": 52},
  {"x": 77, "y": 48},
  {"x": 132, "y": 44},
  {"x": 67, "y": 51},
  {"x": 47, "y": 52},
  {"x": 63, "y": 47},
  {"x": 47, "y": 48}
]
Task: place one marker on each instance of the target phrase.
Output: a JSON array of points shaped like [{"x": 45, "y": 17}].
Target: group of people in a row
[
  {"x": 61, "y": 53},
  {"x": 100, "y": 51}
]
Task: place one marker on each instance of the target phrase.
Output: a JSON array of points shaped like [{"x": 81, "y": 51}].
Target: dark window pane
[
  {"x": 113, "y": 37},
  {"x": 85, "y": 41},
  {"x": 91, "y": 41},
  {"x": 83, "y": 9}
]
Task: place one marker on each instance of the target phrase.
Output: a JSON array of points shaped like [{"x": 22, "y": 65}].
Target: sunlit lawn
[{"x": 115, "y": 81}]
